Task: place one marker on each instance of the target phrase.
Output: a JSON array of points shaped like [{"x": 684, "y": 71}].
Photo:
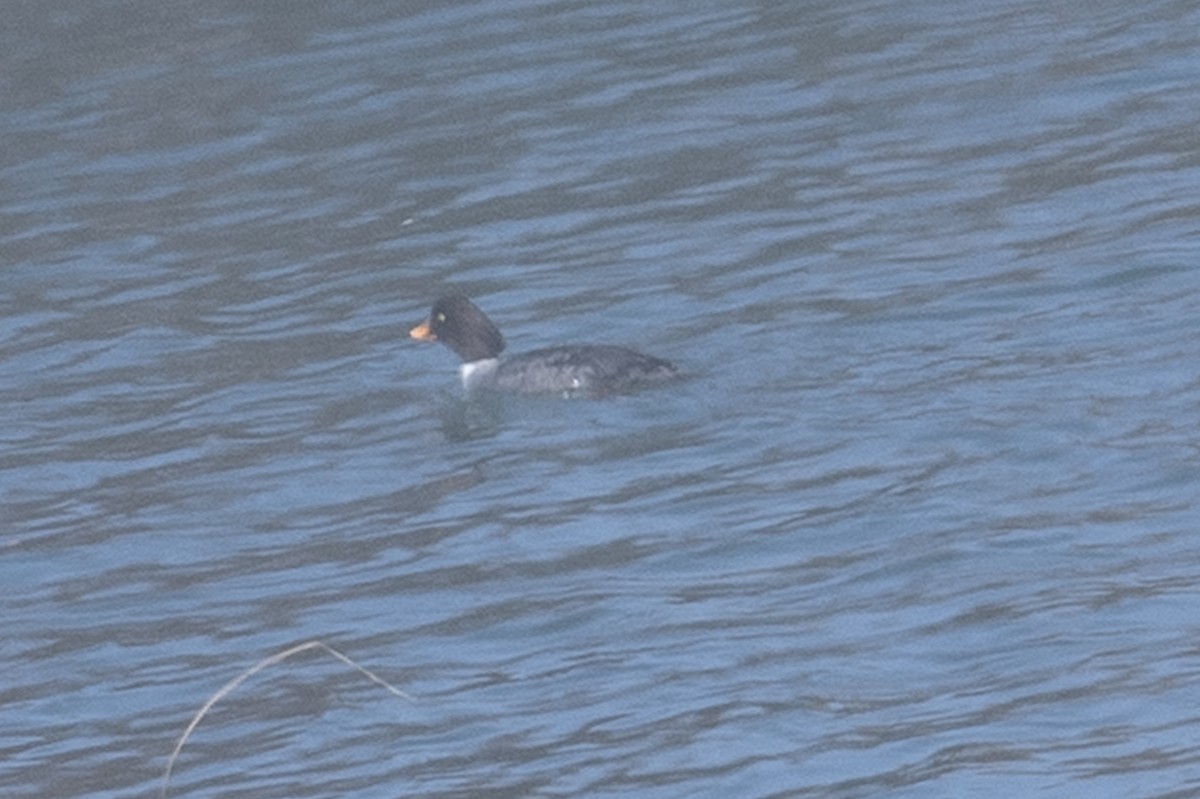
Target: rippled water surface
[{"x": 921, "y": 522}]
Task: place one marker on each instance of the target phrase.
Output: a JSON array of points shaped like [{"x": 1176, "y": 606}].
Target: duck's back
[{"x": 587, "y": 369}]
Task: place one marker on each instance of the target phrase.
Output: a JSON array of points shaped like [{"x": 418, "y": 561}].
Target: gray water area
[{"x": 921, "y": 521}]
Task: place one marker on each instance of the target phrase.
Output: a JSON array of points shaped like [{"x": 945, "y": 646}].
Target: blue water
[{"x": 920, "y": 522}]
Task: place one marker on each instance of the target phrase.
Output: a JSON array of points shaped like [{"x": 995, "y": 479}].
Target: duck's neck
[{"x": 478, "y": 373}]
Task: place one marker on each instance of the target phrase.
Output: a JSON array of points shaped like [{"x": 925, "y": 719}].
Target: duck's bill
[{"x": 422, "y": 332}]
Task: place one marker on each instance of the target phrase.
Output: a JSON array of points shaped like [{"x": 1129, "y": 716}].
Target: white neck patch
[{"x": 477, "y": 372}]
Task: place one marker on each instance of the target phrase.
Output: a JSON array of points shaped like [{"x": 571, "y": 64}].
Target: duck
[{"x": 591, "y": 370}]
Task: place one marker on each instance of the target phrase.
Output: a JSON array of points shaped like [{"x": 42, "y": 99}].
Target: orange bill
[{"x": 422, "y": 332}]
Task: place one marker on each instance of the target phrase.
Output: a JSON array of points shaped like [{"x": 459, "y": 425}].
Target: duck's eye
[{"x": 441, "y": 317}]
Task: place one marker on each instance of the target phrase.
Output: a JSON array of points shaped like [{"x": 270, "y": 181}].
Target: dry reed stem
[{"x": 228, "y": 687}]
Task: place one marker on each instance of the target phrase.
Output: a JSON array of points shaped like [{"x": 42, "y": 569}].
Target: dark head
[{"x": 457, "y": 323}]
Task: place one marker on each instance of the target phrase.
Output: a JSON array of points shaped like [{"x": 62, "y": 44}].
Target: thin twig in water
[{"x": 228, "y": 687}]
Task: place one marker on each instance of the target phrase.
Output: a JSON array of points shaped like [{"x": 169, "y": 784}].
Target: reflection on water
[{"x": 918, "y": 523}]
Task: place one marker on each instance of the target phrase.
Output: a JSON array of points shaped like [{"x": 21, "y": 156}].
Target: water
[{"x": 921, "y": 522}]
